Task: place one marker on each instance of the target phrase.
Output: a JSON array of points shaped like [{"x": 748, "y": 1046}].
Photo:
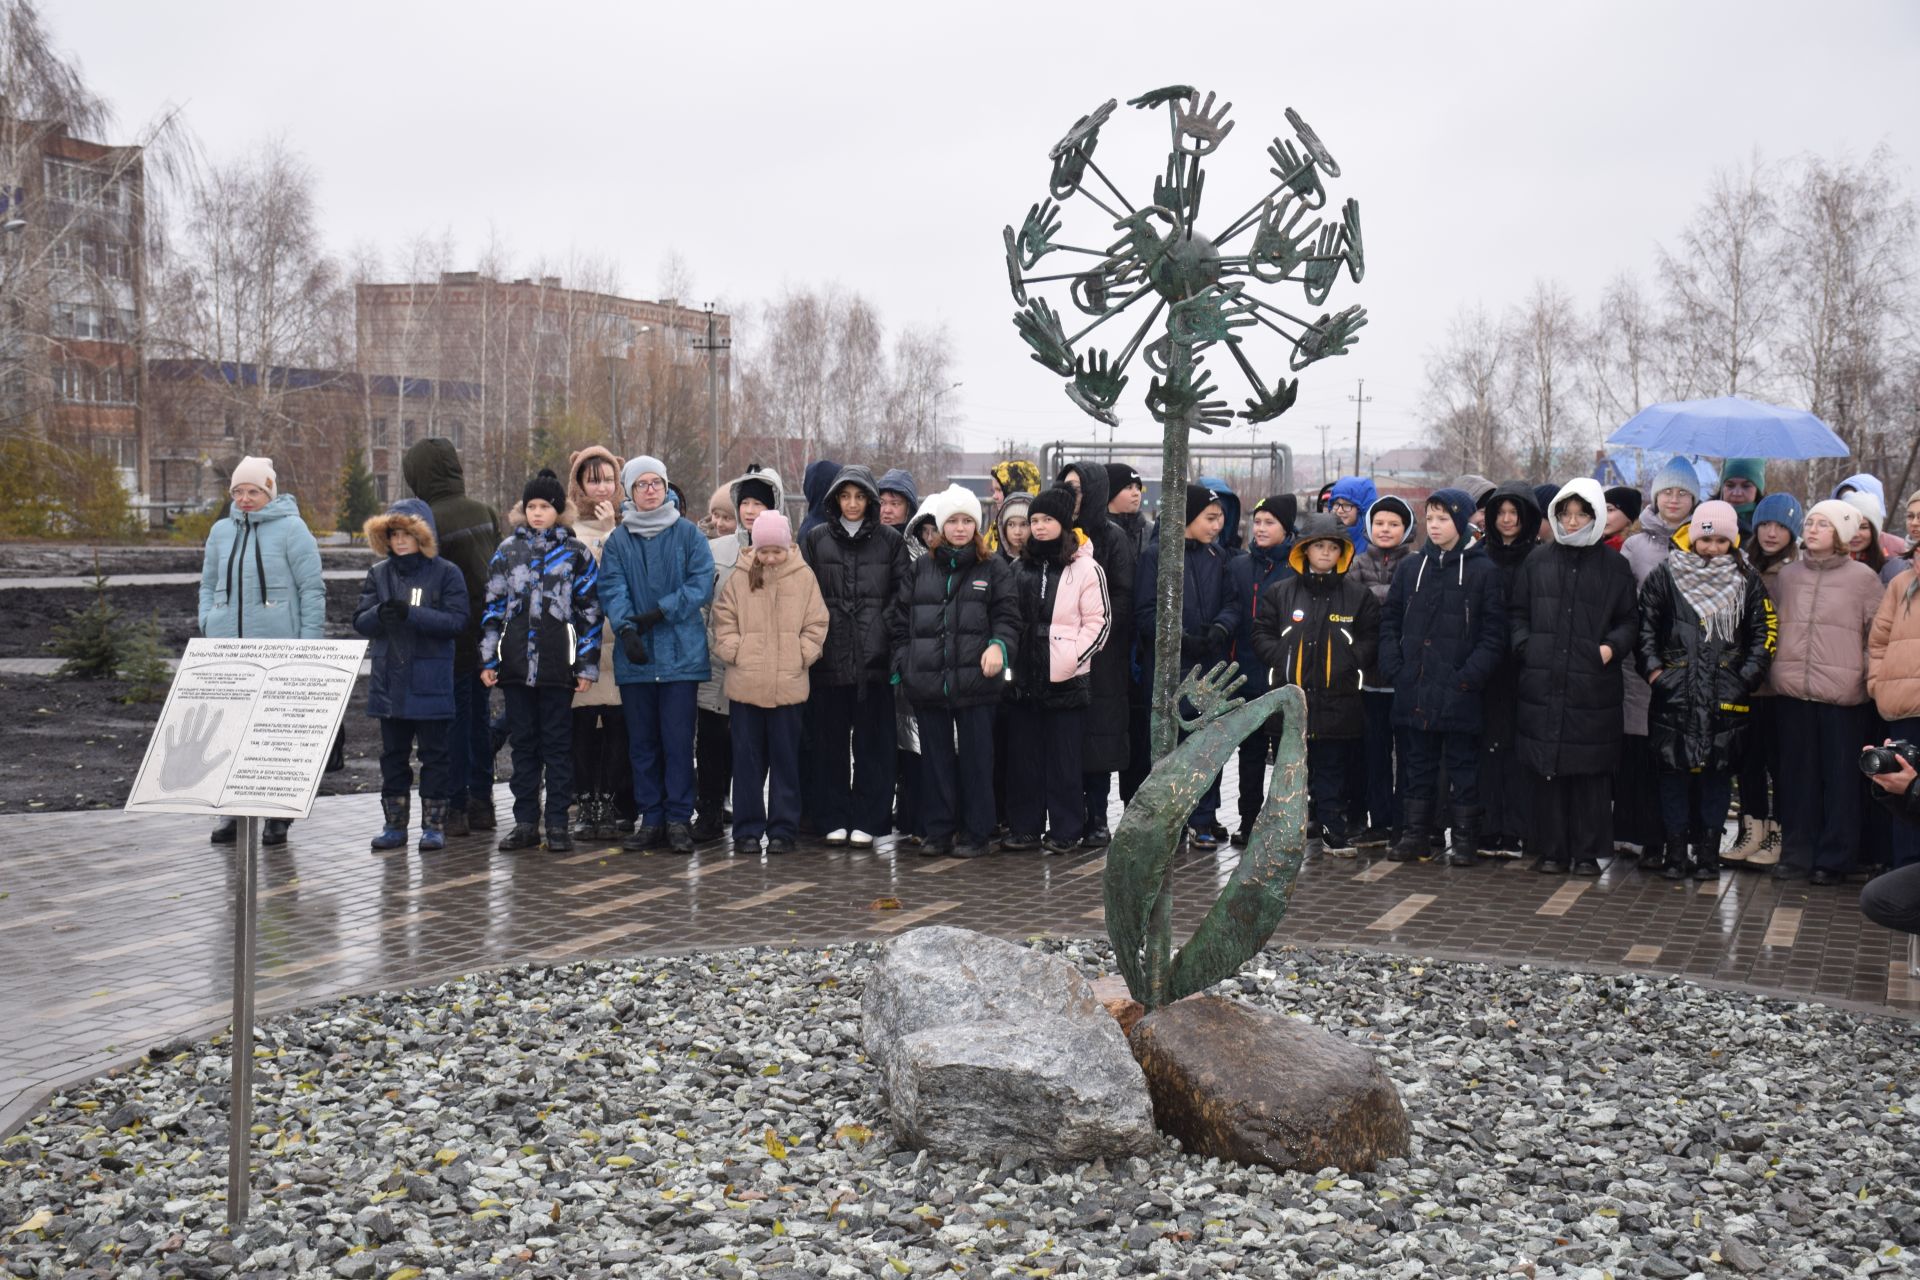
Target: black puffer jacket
[
  {"x": 953, "y": 606},
  {"x": 860, "y": 574},
  {"x": 1702, "y": 700},
  {"x": 1441, "y": 635},
  {"x": 1104, "y": 749},
  {"x": 1320, "y": 631},
  {"x": 1566, "y": 603},
  {"x": 1501, "y": 700}
]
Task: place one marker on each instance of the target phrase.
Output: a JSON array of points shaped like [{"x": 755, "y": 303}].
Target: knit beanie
[
  {"x": 756, "y": 488},
  {"x": 1628, "y": 499},
  {"x": 1459, "y": 506},
  {"x": 1714, "y": 519},
  {"x": 1781, "y": 509},
  {"x": 254, "y": 471},
  {"x": 1056, "y": 502},
  {"x": 1842, "y": 515},
  {"x": 1284, "y": 507},
  {"x": 1678, "y": 473},
  {"x": 770, "y": 529},
  {"x": 1396, "y": 504},
  {"x": 1476, "y": 487},
  {"x": 1543, "y": 496},
  {"x": 1754, "y": 469},
  {"x": 545, "y": 487},
  {"x": 1122, "y": 476},
  {"x": 637, "y": 467},
  {"x": 954, "y": 500},
  {"x": 1199, "y": 497},
  {"x": 1870, "y": 508}
]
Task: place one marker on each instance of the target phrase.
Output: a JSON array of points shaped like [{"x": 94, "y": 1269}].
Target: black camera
[{"x": 1881, "y": 760}]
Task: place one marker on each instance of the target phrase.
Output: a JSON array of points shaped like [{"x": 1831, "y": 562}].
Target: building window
[
  {"x": 406, "y": 431},
  {"x": 380, "y": 434},
  {"x": 115, "y": 261},
  {"x": 456, "y": 431},
  {"x": 69, "y": 382},
  {"x": 380, "y": 489},
  {"x": 121, "y": 451}
]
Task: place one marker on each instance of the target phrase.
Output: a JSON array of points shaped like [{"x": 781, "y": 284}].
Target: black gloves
[
  {"x": 1211, "y": 641},
  {"x": 1194, "y": 639},
  {"x": 630, "y": 644},
  {"x": 646, "y": 620},
  {"x": 1218, "y": 638},
  {"x": 393, "y": 612}
]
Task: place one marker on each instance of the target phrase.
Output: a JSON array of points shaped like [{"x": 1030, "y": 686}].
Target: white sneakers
[
  {"x": 861, "y": 838},
  {"x": 837, "y": 836}
]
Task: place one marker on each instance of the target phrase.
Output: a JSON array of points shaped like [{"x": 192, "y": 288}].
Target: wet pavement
[{"x": 115, "y": 931}]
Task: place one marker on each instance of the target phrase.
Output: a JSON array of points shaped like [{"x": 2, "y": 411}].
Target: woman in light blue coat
[
  {"x": 261, "y": 581},
  {"x": 656, "y": 576}
]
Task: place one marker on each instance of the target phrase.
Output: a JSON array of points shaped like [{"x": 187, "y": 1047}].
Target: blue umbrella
[{"x": 1730, "y": 427}]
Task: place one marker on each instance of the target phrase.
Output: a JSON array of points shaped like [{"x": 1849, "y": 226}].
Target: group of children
[{"x": 1567, "y": 670}]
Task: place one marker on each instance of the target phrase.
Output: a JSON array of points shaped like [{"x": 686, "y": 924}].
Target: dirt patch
[
  {"x": 28, "y": 615},
  {"x": 72, "y": 744}
]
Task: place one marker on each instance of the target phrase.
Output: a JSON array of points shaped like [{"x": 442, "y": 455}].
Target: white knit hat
[
  {"x": 1842, "y": 515},
  {"x": 1870, "y": 508},
  {"x": 254, "y": 471},
  {"x": 954, "y": 500}
]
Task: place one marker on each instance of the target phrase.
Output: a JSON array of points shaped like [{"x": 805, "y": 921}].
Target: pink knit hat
[
  {"x": 770, "y": 529},
  {"x": 1714, "y": 519},
  {"x": 254, "y": 471}
]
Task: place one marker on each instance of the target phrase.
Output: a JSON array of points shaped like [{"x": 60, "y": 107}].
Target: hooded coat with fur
[{"x": 411, "y": 676}]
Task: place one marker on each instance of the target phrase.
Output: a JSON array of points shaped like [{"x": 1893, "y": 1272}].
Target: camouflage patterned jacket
[{"x": 542, "y": 622}]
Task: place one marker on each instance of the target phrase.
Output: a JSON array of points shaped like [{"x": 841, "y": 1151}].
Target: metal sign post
[
  {"x": 245, "y": 733},
  {"x": 240, "y": 1113}
]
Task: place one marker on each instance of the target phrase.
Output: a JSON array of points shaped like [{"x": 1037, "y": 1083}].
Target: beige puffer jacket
[
  {"x": 1893, "y": 651},
  {"x": 594, "y": 533},
  {"x": 1826, "y": 606},
  {"x": 729, "y": 551},
  {"x": 770, "y": 637}
]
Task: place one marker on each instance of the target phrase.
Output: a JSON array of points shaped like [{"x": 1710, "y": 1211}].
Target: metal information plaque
[{"x": 245, "y": 734}]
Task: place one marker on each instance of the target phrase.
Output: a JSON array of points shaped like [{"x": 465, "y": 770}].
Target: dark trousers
[
  {"x": 1636, "y": 794},
  {"x": 766, "y": 745},
  {"x": 1503, "y": 796},
  {"x": 1762, "y": 764},
  {"x": 1096, "y": 792},
  {"x": 540, "y": 731},
  {"x": 1434, "y": 759},
  {"x": 1329, "y": 764},
  {"x": 1139, "y": 750},
  {"x": 602, "y": 763},
  {"x": 1695, "y": 803},
  {"x": 863, "y": 802},
  {"x": 1000, "y": 757},
  {"x": 660, "y": 727},
  {"x": 1045, "y": 787},
  {"x": 1256, "y": 751},
  {"x": 396, "y": 757},
  {"x": 906, "y": 800},
  {"x": 1820, "y": 783},
  {"x": 470, "y": 740},
  {"x": 1386, "y": 761},
  {"x": 956, "y": 771},
  {"x": 1893, "y": 900},
  {"x": 712, "y": 764},
  {"x": 1570, "y": 817}
]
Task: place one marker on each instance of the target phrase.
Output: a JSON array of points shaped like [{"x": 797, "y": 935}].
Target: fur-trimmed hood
[
  {"x": 410, "y": 515},
  {"x": 577, "y": 505}
]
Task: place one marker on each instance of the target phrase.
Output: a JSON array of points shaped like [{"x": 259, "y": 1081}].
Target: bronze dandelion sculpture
[{"x": 1210, "y": 298}]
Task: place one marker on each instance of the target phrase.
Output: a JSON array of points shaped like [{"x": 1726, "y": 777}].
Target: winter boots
[
  {"x": 1768, "y": 853},
  {"x": 1464, "y": 851},
  {"x": 394, "y": 834},
  {"x": 1414, "y": 837},
  {"x": 592, "y": 816},
  {"x": 1706, "y": 854},
  {"x": 433, "y": 826},
  {"x": 558, "y": 841},
  {"x": 225, "y": 831},
  {"x": 480, "y": 813},
  {"x": 1675, "y": 862},
  {"x": 457, "y": 821}
]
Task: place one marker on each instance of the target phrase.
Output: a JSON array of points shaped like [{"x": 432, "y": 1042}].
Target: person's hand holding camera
[{"x": 1890, "y": 765}]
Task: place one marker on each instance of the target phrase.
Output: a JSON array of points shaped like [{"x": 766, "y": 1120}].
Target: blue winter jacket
[
  {"x": 1209, "y": 606},
  {"x": 541, "y": 627},
  {"x": 412, "y": 675},
  {"x": 1229, "y": 540},
  {"x": 670, "y": 573},
  {"x": 1442, "y": 634},
  {"x": 815, "y": 481},
  {"x": 261, "y": 577},
  {"x": 1361, "y": 493},
  {"x": 1252, "y": 574}
]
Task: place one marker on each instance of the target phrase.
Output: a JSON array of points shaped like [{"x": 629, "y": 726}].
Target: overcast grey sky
[{"x": 883, "y": 146}]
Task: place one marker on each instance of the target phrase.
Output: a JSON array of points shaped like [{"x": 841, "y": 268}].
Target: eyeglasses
[{"x": 650, "y": 486}]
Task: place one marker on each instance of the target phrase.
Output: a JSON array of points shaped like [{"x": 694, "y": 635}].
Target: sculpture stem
[{"x": 1169, "y": 597}]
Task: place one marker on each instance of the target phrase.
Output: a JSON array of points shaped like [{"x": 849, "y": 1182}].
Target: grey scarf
[
  {"x": 651, "y": 524},
  {"x": 1715, "y": 589}
]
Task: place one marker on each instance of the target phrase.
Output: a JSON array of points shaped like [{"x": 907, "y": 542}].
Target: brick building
[{"x": 72, "y": 275}]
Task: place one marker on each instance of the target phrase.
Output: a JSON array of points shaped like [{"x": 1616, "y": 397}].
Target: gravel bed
[{"x": 712, "y": 1116}]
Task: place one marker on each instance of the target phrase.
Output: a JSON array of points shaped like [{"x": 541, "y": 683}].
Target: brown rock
[
  {"x": 1112, "y": 992},
  {"x": 1261, "y": 1088}
]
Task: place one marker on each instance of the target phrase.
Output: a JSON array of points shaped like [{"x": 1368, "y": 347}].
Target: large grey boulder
[{"x": 987, "y": 1049}]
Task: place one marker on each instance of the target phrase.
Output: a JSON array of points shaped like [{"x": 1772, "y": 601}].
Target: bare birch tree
[
  {"x": 1469, "y": 382},
  {"x": 1544, "y": 339},
  {"x": 1723, "y": 280}
]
